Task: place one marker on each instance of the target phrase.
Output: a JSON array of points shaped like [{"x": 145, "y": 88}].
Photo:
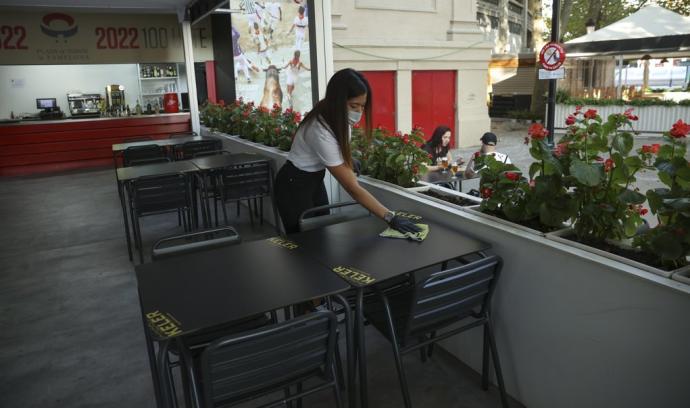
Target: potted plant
[
  {"x": 396, "y": 158},
  {"x": 670, "y": 239}
]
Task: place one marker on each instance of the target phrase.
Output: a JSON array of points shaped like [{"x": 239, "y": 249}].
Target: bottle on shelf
[
  {"x": 129, "y": 112},
  {"x": 137, "y": 108},
  {"x": 148, "y": 108}
]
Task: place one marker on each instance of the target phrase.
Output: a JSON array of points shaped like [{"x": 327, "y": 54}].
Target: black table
[
  {"x": 219, "y": 161},
  {"x": 355, "y": 251},
  {"x": 173, "y": 141},
  {"x": 194, "y": 292},
  {"x": 125, "y": 175}
]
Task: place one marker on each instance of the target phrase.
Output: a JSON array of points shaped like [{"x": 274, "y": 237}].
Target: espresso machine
[
  {"x": 115, "y": 98},
  {"x": 84, "y": 105}
]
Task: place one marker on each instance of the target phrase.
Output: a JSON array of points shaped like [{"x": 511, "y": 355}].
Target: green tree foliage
[
  {"x": 602, "y": 12},
  {"x": 678, "y": 6}
]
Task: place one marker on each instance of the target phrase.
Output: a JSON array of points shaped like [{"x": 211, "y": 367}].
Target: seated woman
[{"x": 438, "y": 147}]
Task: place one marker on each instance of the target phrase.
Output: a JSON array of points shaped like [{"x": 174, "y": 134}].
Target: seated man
[{"x": 489, "y": 141}]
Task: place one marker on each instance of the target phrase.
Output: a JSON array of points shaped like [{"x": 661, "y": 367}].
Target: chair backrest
[
  {"x": 189, "y": 149},
  {"x": 322, "y": 216},
  {"x": 450, "y": 295},
  {"x": 194, "y": 242},
  {"x": 249, "y": 364},
  {"x": 159, "y": 194},
  {"x": 246, "y": 181},
  {"x": 145, "y": 152}
]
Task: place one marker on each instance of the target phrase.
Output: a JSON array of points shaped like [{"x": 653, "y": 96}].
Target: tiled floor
[{"x": 71, "y": 331}]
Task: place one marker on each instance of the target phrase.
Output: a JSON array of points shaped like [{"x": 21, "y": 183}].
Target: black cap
[{"x": 489, "y": 138}]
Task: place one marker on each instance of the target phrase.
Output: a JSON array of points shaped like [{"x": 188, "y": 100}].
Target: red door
[
  {"x": 383, "y": 89},
  {"x": 433, "y": 101}
]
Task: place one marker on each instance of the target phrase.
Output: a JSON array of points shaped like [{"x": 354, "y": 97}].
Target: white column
[
  {"x": 463, "y": 20},
  {"x": 403, "y": 98},
  {"x": 191, "y": 77},
  {"x": 324, "y": 43},
  {"x": 472, "y": 115}
]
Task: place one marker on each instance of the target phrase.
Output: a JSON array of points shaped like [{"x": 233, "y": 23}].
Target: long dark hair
[
  {"x": 343, "y": 85},
  {"x": 437, "y": 137}
]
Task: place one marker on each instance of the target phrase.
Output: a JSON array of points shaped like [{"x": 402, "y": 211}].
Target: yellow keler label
[
  {"x": 354, "y": 276},
  {"x": 163, "y": 324},
  {"x": 283, "y": 242}
]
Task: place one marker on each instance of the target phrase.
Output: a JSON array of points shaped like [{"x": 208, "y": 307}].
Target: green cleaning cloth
[{"x": 415, "y": 236}]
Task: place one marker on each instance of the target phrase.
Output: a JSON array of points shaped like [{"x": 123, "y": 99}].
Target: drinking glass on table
[
  {"x": 444, "y": 164},
  {"x": 454, "y": 168}
]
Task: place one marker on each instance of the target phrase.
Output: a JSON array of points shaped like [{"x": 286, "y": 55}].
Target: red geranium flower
[
  {"x": 578, "y": 108},
  {"x": 512, "y": 176},
  {"x": 591, "y": 114},
  {"x": 608, "y": 165},
  {"x": 487, "y": 192},
  {"x": 643, "y": 211},
  {"x": 570, "y": 120},
  {"x": 628, "y": 114},
  {"x": 537, "y": 131},
  {"x": 561, "y": 149},
  {"x": 655, "y": 148},
  {"x": 680, "y": 129},
  {"x": 476, "y": 155},
  {"x": 406, "y": 139}
]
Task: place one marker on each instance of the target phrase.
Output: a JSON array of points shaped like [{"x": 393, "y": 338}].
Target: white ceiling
[{"x": 157, "y": 6}]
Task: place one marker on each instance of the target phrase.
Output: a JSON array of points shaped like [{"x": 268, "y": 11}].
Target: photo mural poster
[{"x": 272, "y": 54}]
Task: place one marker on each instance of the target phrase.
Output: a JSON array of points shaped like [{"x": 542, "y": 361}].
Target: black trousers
[{"x": 297, "y": 191}]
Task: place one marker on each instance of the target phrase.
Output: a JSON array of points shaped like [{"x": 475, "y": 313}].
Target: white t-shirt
[{"x": 315, "y": 148}]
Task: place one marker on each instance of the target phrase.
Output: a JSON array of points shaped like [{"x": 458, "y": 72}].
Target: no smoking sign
[{"x": 552, "y": 56}]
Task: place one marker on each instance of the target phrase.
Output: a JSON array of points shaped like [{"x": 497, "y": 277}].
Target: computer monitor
[{"x": 47, "y": 104}]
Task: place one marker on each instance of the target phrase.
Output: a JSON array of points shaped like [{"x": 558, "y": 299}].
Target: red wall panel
[
  {"x": 44, "y": 147},
  {"x": 433, "y": 101},
  {"x": 383, "y": 89}
]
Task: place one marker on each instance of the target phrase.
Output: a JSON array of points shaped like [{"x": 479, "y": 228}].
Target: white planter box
[
  {"x": 574, "y": 328},
  {"x": 682, "y": 275},
  {"x": 653, "y": 119},
  {"x": 444, "y": 191},
  {"x": 560, "y": 237}
]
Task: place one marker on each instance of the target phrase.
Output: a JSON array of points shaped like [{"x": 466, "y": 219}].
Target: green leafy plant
[
  {"x": 670, "y": 239},
  {"x": 607, "y": 206},
  {"x": 542, "y": 202},
  {"x": 393, "y": 157}
]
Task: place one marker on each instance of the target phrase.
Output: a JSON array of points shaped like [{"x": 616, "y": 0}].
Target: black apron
[{"x": 297, "y": 191}]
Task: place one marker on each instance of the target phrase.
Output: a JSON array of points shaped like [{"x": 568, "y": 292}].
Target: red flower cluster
[
  {"x": 654, "y": 148},
  {"x": 628, "y": 114},
  {"x": 512, "y": 176},
  {"x": 643, "y": 211},
  {"x": 537, "y": 131},
  {"x": 591, "y": 114},
  {"x": 298, "y": 117},
  {"x": 476, "y": 155},
  {"x": 406, "y": 138},
  {"x": 487, "y": 192},
  {"x": 561, "y": 149},
  {"x": 609, "y": 165},
  {"x": 680, "y": 129},
  {"x": 570, "y": 120}
]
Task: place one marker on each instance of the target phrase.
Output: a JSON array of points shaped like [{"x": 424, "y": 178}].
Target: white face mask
[{"x": 353, "y": 117}]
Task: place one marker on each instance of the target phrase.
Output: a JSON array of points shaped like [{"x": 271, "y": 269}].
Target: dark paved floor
[{"x": 70, "y": 331}]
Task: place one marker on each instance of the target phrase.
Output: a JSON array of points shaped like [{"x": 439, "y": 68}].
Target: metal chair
[
  {"x": 189, "y": 149},
  {"x": 194, "y": 241},
  {"x": 157, "y": 195},
  {"x": 143, "y": 154},
  {"x": 415, "y": 316},
  {"x": 322, "y": 216},
  {"x": 252, "y": 181},
  {"x": 246, "y": 366}
]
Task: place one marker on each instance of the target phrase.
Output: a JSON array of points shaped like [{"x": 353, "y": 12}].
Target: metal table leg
[
  {"x": 361, "y": 349},
  {"x": 121, "y": 193}
]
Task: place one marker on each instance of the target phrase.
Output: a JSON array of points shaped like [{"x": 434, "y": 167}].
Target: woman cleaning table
[{"x": 322, "y": 142}]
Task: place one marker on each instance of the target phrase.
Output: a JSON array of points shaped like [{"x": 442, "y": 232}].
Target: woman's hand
[{"x": 403, "y": 224}]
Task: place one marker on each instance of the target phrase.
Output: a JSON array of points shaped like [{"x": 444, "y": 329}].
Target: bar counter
[{"x": 47, "y": 146}]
